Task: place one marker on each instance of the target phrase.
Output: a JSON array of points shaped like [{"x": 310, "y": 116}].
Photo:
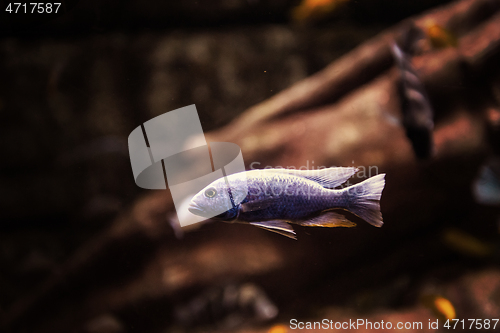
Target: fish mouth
[{"x": 195, "y": 209}]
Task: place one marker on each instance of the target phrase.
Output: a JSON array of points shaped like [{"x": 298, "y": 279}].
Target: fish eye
[{"x": 210, "y": 192}]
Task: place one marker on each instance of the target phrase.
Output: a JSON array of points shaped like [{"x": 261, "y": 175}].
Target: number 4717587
[
  {"x": 472, "y": 324},
  {"x": 33, "y": 7}
]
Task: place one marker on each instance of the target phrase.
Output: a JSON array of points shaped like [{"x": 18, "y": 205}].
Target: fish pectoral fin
[
  {"x": 277, "y": 226},
  {"x": 255, "y": 205},
  {"x": 328, "y": 178},
  {"x": 329, "y": 220}
]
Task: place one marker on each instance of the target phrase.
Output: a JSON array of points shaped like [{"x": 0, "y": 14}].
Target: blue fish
[
  {"x": 486, "y": 187},
  {"x": 273, "y": 198}
]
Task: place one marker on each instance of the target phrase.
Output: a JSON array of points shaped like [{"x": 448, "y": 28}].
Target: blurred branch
[{"x": 366, "y": 63}]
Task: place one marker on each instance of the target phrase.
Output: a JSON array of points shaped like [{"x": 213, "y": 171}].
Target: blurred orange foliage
[
  {"x": 439, "y": 37},
  {"x": 278, "y": 329},
  {"x": 311, "y": 10},
  {"x": 440, "y": 306}
]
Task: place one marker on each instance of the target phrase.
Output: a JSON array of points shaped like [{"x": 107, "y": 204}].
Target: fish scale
[{"x": 288, "y": 206}]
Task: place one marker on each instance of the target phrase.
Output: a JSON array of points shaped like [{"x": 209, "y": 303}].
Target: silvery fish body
[{"x": 273, "y": 198}]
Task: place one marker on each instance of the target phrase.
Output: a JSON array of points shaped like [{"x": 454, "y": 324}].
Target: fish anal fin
[
  {"x": 329, "y": 220},
  {"x": 278, "y": 226}
]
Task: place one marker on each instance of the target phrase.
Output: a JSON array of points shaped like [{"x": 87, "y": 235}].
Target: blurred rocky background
[{"x": 293, "y": 83}]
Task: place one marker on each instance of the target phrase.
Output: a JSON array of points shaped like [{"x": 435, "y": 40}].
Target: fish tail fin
[{"x": 365, "y": 199}]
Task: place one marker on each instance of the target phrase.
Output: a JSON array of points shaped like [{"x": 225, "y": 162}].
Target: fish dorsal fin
[
  {"x": 329, "y": 220},
  {"x": 329, "y": 178},
  {"x": 277, "y": 226}
]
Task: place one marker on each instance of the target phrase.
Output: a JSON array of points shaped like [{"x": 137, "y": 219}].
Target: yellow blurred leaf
[
  {"x": 311, "y": 10},
  {"x": 278, "y": 329},
  {"x": 445, "y": 307},
  {"x": 440, "y": 37},
  {"x": 441, "y": 307},
  {"x": 466, "y": 244}
]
